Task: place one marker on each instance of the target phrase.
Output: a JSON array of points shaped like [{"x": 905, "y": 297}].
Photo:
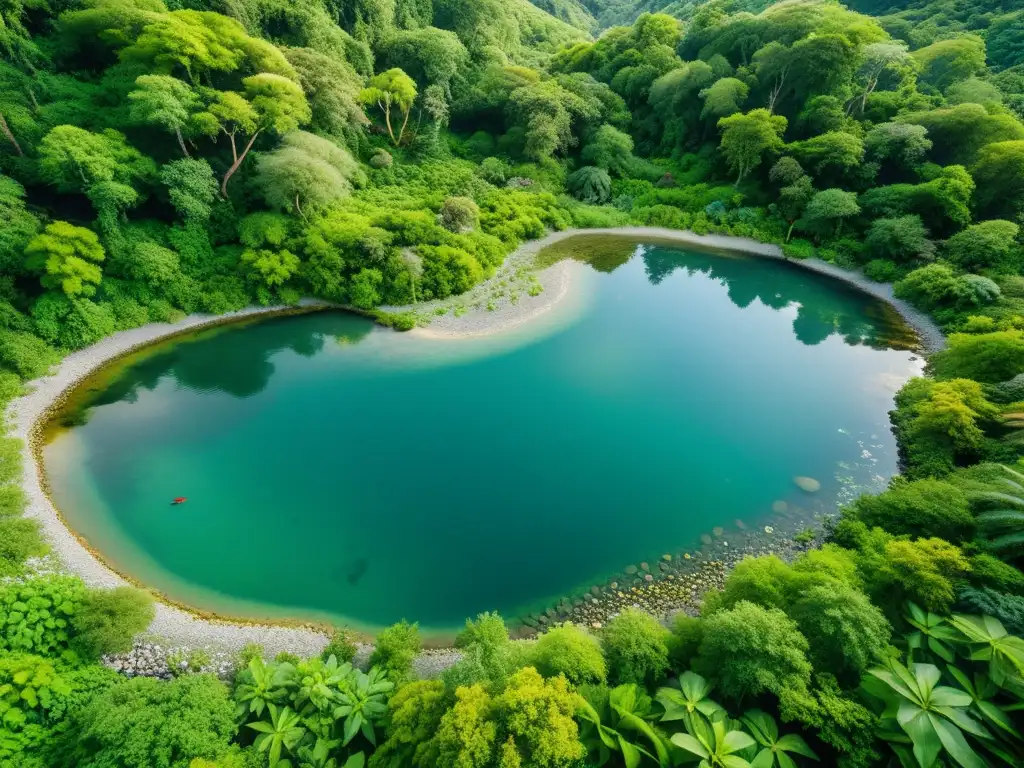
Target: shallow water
[{"x": 337, "y": 469}]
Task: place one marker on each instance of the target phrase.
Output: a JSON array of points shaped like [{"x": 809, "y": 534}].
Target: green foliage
[
  {"x": 395, "y": 649},
  {"x": 635, "y": 648},
  {"x": 590, "y": 184},
  {"x": 618, "y": 721},
  {"x": 901, "y": 240},
  {"x": 988, "y": 358},
  {"x": 918, "y": 508},
  {"x": 749, "y": 650},
  {"x": 341, "y": 646},
  {"x": 305, "y": 170},
  {"x": 460, "y": 214},
  {"x": 107, "y": 620},
  {"x": 570, "y": 651},
  {"x": 987, "y": 245},
  {"x": 36, "y": 614},
  {"x": 146, "y": 722},
  {"x": 922, "y": 571},
  {"x": 67, "y": 257},
  {"x": 747, "y": 138}
]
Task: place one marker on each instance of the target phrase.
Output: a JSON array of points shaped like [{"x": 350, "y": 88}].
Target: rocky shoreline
[{"x": 675, "y": 583}]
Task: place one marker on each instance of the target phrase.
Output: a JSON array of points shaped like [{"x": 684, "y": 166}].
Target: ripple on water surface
[{"x": 337, "y": 469}]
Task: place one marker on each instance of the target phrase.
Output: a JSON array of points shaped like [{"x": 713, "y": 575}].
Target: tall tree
[
  {"x": 390, "y": 89},
  {"x": 269, "y": 104},
  {"x": 747, "y": 138},
  {"x": 166, "y": 102}
]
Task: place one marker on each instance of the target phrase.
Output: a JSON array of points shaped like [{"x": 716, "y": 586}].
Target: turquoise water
[{"x": 337, "y": 469}]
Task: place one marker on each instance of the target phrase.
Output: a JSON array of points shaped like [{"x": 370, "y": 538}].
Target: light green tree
[
  {"x": 747, "y": 138},
  {"x": 166, "y": 102},
  {"x": 67, "y": 257},
  {"x": 269, "y": 103},
  {"x": 389, "y": 89}
]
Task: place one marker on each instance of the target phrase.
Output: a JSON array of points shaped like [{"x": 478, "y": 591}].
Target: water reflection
[
  {"x": 206, "y": 362},
  {"x": 843, "y": 310}
]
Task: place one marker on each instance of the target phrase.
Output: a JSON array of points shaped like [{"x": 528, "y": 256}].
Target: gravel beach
[{"x": 483, "y": 312}]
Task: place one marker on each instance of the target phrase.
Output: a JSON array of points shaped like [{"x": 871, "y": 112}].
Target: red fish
[{"x": 179, "y": 500}]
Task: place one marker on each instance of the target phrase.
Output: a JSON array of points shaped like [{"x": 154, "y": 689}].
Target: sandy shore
[{"x": 178, "y": 626}]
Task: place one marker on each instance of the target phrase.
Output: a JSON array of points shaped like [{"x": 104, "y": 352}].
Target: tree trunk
[
  {"x": 5, "y": 129},
  {"x": 387, "y": 120},
  {"x": 234, "y": 166},
  {"x": 405, "y": 122},
  {"x": 789, "y": 232},
  {"x": 181, "y": 142}
]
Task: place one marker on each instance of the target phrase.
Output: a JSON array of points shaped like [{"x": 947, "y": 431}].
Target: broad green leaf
[{"x": 690, "y": 744}]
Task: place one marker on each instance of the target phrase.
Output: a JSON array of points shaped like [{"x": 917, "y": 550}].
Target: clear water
[{"x": 336, "y": 469}]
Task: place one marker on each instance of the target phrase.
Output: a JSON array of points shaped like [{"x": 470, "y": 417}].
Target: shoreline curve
[{"x": 28, "y": 414}]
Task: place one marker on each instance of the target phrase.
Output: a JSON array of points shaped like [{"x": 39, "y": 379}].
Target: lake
[{"x": 339, "y": 470}]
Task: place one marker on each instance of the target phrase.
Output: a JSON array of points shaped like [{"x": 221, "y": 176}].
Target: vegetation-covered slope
[{"x": 201, "y": 156}]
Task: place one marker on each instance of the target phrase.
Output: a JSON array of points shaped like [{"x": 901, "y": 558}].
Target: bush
[
  {"x": 988, "y": 572},
  {"x": 147, "y": 723},
  {"x": 1008, "y": 609},
  {"x": 987, "y": 245},
  {"x": 20, "y": 539},
  {"x": 882, "y": 271},
  {"x": 571, "y": 651},
  {"x": 35, "y": 615},
  {"x": 590, "y": 185},
  {"x": 845, "y": 632},
  {"x": 495, "y": 171},
  {"x": 900, "y": 239},
  {"x": 989, "y": 358},
  {"x": 341, "y": 647},
  {"x": 396, "y": 649},
  {"x": 918, "y": 508},
  {"x": 798, "y": 249},
  {"x": 381, "y": 159},
  {"x": 636, "y": 648},
  {"x": 749, "y": 650},
  {"x": 108, "y": 620},
  {"x": 460, "y": 215}
]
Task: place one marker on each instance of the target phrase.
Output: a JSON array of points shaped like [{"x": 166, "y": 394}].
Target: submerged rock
[
  {"x": 808, "y": 484},
  {"x": 780, "y": 507}
]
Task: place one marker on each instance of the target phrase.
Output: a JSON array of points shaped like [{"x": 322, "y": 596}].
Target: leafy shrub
[
  {"x": 900, "y": 239},
  {"x": 396, "y": 648},
  {"x": 798, "y": 249},
  {"x": 571, "y": 651},
  {"x": 381, "y": 159},
  {"x": 147, "y": 723},
  {"x": 989, "y": 358},
  {"x": 20, "y": 539},
  {"x": 749, "y": 650},
  {"x": 107, "y": 620},
  {"x": 590, "y": 185},
  {"x": 35, "y": 615},
  {"x": 460, "y": 214},
  {"x": 882, "y": 271},
  {"x": 341, "y": 647},
  {"x": 1008, "y": 609},
  {"x": 636, "y": 648},
  {"x": 495, "y": 171},
  {"x": 988, "y": 572},
  {"x": 918, "y": 508}
]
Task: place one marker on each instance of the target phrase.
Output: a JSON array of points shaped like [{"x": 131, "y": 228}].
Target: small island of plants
[{"x": 162, "y": 159}]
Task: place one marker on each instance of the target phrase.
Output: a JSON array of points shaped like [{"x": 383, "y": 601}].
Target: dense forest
[{"x": 159, "y": 159}]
